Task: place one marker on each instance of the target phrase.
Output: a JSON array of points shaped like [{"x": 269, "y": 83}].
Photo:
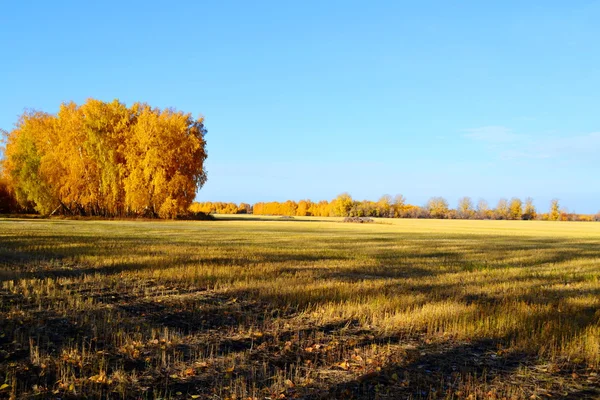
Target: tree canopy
[{"x": 106, "y": 159}]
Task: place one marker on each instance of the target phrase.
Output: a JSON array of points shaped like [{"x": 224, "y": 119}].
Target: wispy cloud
[
  {"x": 509, "y": 145},
  {"x": 493, "y": 134},
  {"x": 576, "y": 144},
  {"x": 513, "y": 154}
]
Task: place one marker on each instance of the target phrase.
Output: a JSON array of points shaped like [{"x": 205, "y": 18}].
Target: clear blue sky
[{"x": 310, "y": 99}]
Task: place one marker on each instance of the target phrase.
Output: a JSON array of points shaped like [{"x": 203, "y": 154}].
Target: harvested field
[{"x": 249, "y": 307}]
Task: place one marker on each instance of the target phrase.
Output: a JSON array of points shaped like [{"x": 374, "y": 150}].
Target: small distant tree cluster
[
  {"x": 465, "y": 209},
  {"x": 106, "y": 159},
  {"x": 437, "y": 207},
  {"x": 554, "y": 214},
  {"x": 342, "y": 206},
  {"x": 529, "y": 212},
  {"x": 220, "y": 208}
]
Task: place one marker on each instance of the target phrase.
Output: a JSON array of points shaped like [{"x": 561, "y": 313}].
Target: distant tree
[
  {"x": 554, "y": 214},
  {"x": 341, "y": 206},
  {"x": 516, "y": 208},
  {"x": 529, "y": 212},
  {"x": 303, "y": 207},
  {"x": 320, "y": 209},
  {"x": 437, "y": 207},
  {"x": 465, "y": 208},
  {"x": 411, "y": 211},
  {"x": 244, "y": 208},
  {"x": 384, "y": 206},
  {"x": 399, "y": 205},
  {"x": 565, "y": 215},
  {"x": 358, "y": 209},
  {"x": 502, "y": 209},
  {"x": 483, "y": 209},
  {"x": 597, "y": 217},
  {"x": 451, "y": 214},
  {"x": 289, "y": 208},
  {"x": 365, "y": 208}
]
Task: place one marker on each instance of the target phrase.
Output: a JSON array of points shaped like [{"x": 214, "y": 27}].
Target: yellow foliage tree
[{"x": 106, "y": 159}]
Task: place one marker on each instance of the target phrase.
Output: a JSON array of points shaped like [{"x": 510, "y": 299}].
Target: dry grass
[{"x": 250, "y": 307}]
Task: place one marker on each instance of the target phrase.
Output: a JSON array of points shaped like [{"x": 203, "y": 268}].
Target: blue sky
[{"x": 310, "y": 99}]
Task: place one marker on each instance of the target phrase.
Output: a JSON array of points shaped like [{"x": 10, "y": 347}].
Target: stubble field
[{"x": 306, "y": 308}]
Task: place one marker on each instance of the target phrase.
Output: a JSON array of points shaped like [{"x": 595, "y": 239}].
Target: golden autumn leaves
[{"x": 107, "y": 159}]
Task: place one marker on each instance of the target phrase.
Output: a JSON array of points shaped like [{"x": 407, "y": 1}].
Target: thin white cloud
[
  {"x": 509, "y": 145},
  {"x": 493, "y": 134},
  {"x": 513, "y": 154},
  {"x": 577, "y": 144}
]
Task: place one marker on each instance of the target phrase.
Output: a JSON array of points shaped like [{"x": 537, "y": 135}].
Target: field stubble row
[{"x": 305, "y": 308}]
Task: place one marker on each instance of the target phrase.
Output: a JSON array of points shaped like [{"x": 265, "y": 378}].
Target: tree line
[
  {"x": 220, "y": 208},
  {"x": 107, "y": 159},
  {"x": 104, "y": 159},
  {"x": 397, "y": 207}
]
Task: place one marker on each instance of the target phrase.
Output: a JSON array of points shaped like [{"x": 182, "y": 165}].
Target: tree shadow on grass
[
  {"x": 452, "y": 370},
  {"x": 429, "y": 370}
]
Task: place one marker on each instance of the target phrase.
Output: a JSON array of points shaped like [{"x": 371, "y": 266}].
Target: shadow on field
[
  {"x": 255, "y": 328},
  {"x": 58, "y": 256},
  {"x": 440, "y": 248},
  {"x": 448, "y": 370},
  {"x": 430, "y": 370}
]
